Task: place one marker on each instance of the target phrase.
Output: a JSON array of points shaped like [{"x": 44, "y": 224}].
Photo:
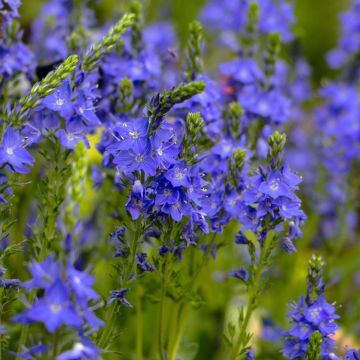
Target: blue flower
[
  {"x": 12, "y": 152},
  {"x": 288, "y": 208},
  {"x": 54, "y": 309},
  {"x": 180, "y": 208},
  {"x": 288, "y": 245},
  {"x": 136, "y": 159},
  {"x": 164, "y": 149},
  {"x": 3, "y": 330},
  {"x": 85, "y": 108},
  {"x": 120, "y": 297},
  {"x": 70, "y": 137},
  {"x": 81, "y": 283},
  {"x": 233, "y": 203},
  {"x": 142, "y": 262},
  {"x": 83, "y": 349},
  {"x": 10, "y": 284},
  {"x": 240, "y": 238},
  {"x": 241, "y": 274},
  {"x": 178, "y": 174},
  {"x": 138, "y": 202},
  {"x": 43, "y": 273},
  {"x": 275, "y": 186},
  {"x": 60, "y": 100},
  {"x": 250, "y": 354},
  {"x": 118, "y": 238},
  {"x": 166, "y": 193},
  {"x": 130, "y": 133}
]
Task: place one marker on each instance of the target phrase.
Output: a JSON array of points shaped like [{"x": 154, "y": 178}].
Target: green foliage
[{"x": 272, "y": 53}]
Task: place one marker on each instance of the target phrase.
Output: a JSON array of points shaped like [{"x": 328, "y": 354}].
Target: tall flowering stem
[{"x": 254, "y": 288}]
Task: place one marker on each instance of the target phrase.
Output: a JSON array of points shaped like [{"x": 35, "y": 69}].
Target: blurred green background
[{"x": 317, "y": 26}]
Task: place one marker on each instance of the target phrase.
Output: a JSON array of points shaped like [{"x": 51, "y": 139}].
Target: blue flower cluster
[
  {"x": 308, "y": 318},
  {"x": 106, "y": 130},
  {"x": 67, "y": 299},
  {"x": 312, "y": 316}
]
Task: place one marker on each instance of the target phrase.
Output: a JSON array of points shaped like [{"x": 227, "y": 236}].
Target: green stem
[
  {"x": 173, "y": 326},
  {"x": 184, "y": 312},
  {"x": 183, "y": 318},
  {"x": 110, "y": 323},
  {"x": 254, "y": 290},
  {"x": 139, "y": 324},
  {"x": 106, "y": 333},
  {"x": 161, "y": 314},
  {"x": 55, "y": 344}
]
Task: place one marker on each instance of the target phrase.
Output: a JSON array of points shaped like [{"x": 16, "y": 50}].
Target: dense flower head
[
  {"x": 310, "y": 315},
  {"x": 308, "y": 318},
  {"x": 65, "y": 300}
]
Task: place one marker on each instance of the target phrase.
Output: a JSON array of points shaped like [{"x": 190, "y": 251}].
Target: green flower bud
[
  {"x": 195, "y": 65},
  {"x": 314, "y": 348},
  {"x": 107, "y": 43},
  {"x": 239, "y": 156},
  {"x": 194, "y": 123},
  {"x": 163, "y": 102}
]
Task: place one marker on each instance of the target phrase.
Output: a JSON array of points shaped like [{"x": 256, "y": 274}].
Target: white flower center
[
  {"x": 79, "y": 347},
  {"x": 315, "y": 312},
  {"x": 139, "y": 158},
  {"x": 274, "y": 185},
  {"x": 9, "y": 151},
  {"x": 134, "y": 134},
  {"x": 60, "y": 102},
  {"x": 55, "y": 308},
  {"x": 159, "y": 151}
]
